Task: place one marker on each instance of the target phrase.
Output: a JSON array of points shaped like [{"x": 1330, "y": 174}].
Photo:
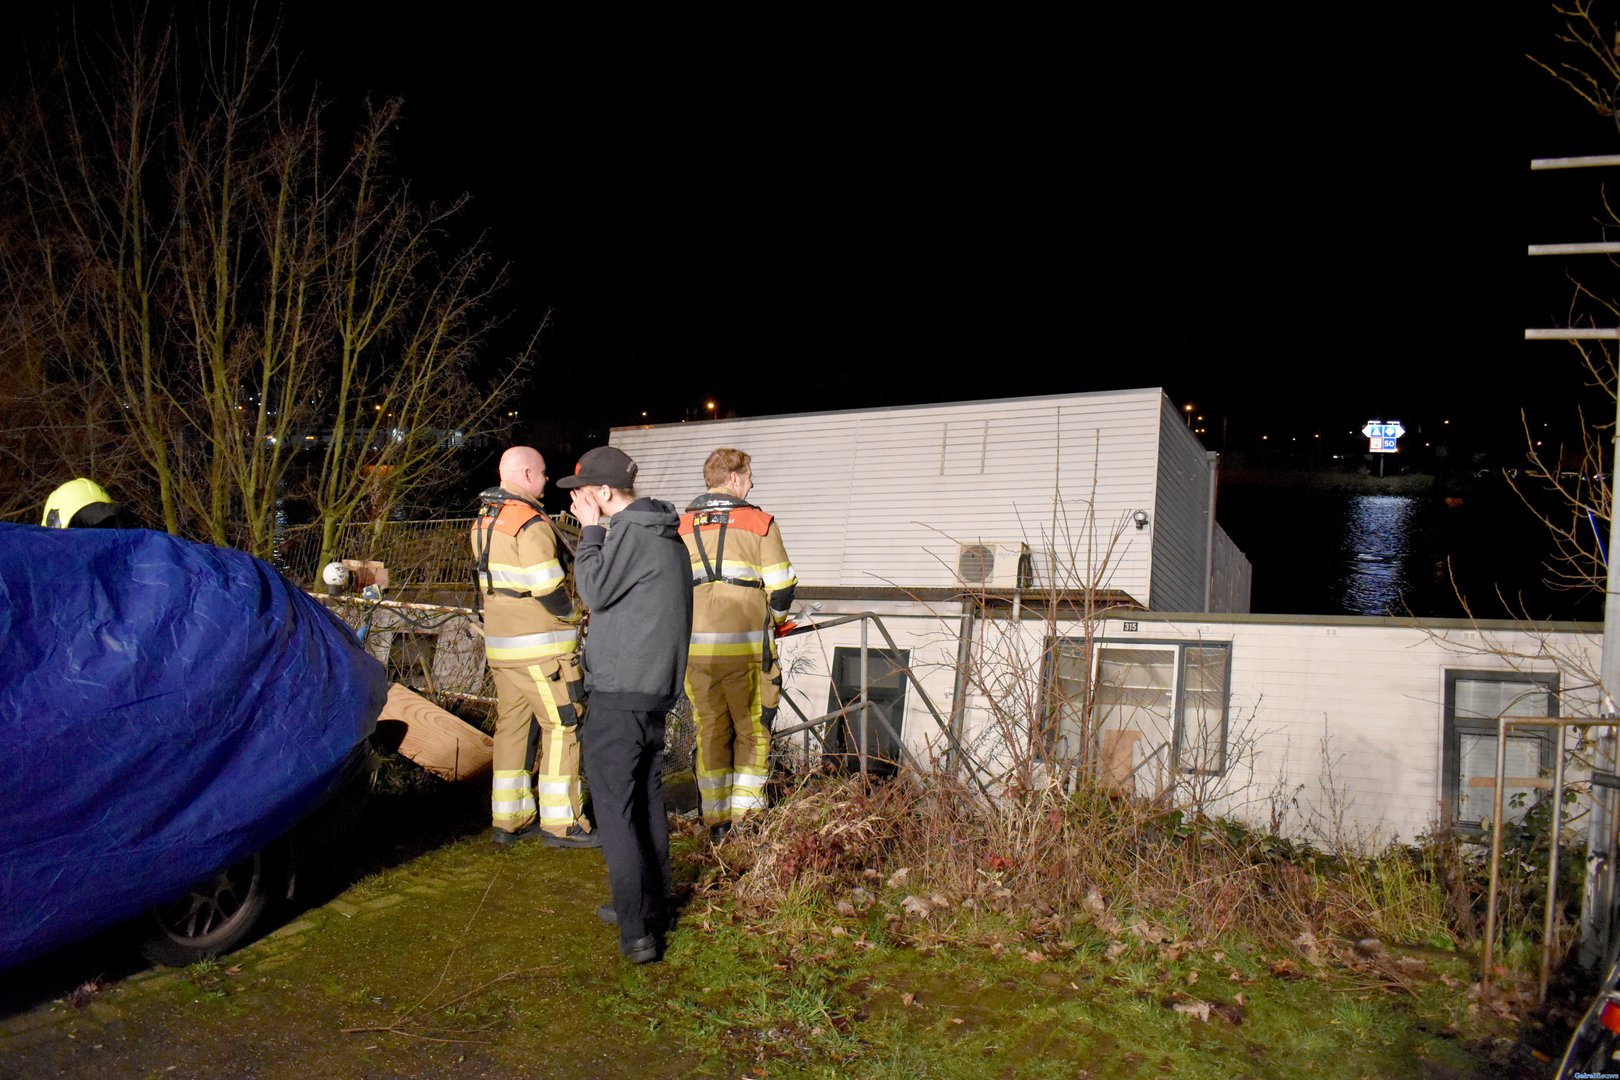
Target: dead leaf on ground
[
  {"x": 898, "y": 878},
  {"x": 1197, "y": 1009},
  {"x": 1192, "y": 977},
  {"x": 1035, "y": 956},
  {"x": 846, "y": 909},
  {"x": 1149, "y": 933},
  {"x": 1116, "y": 950},
  {"x": 917, "y": 906},
  {"x": 908, "y": 1000}
]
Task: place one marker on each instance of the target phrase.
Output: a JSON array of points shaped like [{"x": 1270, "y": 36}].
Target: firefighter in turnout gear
[
  {"x": 531, "y": 638},
  {"x": 742, "y": 590}
]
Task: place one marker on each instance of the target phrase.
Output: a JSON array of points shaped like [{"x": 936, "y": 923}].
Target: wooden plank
[{"x": 439, "y": 741}]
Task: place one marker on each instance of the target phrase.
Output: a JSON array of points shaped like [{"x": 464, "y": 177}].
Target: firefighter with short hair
[
  {"x": 531, "y": 639},
  {"x": 742, "y": 591}
]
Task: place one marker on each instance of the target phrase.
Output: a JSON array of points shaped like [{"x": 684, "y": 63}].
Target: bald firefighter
[
  {"x": 742, "y": 590},
  {"x": 531, "y": 638}
]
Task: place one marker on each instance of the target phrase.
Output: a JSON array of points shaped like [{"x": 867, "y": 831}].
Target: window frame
[
  {"x": 1178, "y": 690},
  {"x": 847, "y": 658},
  {"x": 1454, "y": 728}
]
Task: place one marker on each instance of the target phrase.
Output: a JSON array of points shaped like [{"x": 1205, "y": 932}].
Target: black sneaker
[
  {"x": 502, "y": 837},
  {"x": 719, "y": 832},
  {"x": 574, "y": 837},
  {"x": 643, "y": 950},
  {"x": 665, "y": 920}
]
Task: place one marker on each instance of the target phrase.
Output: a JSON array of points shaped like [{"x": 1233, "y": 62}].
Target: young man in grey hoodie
[{"x": 632, "y": 572}]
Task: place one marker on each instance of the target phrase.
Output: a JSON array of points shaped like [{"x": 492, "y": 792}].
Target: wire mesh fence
[
  {"x": 417, "y": 553},
  {"x": 431, "y": 553}
]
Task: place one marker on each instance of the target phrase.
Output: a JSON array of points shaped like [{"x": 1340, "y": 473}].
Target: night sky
[
  {"x": 1291, "y": 222},
  {"x": 1297, "y": 221}
]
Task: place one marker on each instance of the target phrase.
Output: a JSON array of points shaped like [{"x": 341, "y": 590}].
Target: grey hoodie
[{"x": 634, "y": 575}]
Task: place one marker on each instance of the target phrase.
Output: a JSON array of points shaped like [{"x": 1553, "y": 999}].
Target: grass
[
  {"x": 492, "y": 955},
  {"x": 875, "y": 1005}
]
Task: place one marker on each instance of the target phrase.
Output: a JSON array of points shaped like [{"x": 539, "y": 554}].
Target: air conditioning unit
[{"x": 994, "y": 566}]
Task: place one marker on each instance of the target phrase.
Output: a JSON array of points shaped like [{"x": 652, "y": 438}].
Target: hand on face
[{"x": 585, "y": 506}]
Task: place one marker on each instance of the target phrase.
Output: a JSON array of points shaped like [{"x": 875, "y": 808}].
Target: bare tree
[{"x": 263, "y": 305}]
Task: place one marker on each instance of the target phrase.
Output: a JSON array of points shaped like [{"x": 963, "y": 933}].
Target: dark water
[{"x": 1352, "y": 554}]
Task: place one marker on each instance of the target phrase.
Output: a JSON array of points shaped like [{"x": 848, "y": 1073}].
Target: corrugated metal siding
[
  {"x": 884, "y": 496},
  {"x": 1180, "y": 517},
  {"x": 1233, "y": 576}
]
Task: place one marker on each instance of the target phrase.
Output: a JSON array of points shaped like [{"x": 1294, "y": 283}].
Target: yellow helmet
[{"x": 66, "y": 502}]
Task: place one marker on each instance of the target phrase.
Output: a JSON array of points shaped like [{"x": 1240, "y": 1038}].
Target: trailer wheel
[{"x": 219, "y": 914}]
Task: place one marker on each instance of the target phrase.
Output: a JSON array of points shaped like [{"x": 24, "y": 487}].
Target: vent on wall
[{"x": 995, "y": 566}]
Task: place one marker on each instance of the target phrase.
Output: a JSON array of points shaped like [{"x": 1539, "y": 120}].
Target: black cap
[{"x": 604, "y": 465}]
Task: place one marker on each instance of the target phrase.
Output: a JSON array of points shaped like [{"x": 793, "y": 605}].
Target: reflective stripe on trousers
[
  {"x": 733, "y": 741},
  {"x": 532, "y": 741}
]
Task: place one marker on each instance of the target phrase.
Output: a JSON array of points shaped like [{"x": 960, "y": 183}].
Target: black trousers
[{"x": 624, "y": 756}]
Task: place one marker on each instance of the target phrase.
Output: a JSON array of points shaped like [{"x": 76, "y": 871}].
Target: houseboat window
[
  {"x": 1475, "y": 700},
  {"x": 848, "y": 737},
  {"x": 1155, "y": 705},
  {"x": 1201, "y": 734}
]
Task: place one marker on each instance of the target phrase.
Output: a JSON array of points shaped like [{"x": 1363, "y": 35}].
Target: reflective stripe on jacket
[
  {"x": 741, "y": 575},
  {"x": 521, "y": 563}
]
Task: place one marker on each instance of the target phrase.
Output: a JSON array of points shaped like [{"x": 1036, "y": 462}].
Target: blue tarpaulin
[{"x": 167, "y": 708}]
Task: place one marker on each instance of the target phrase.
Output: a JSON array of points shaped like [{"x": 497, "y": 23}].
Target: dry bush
[{"x": 1092, "y": 856}]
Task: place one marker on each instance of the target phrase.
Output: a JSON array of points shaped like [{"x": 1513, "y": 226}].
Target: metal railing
[
  {"x": 1559, "y": 724},
  {"x": 863, "y": 705}
]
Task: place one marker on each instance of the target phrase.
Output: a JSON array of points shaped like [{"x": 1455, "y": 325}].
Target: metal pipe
[
  {"x": 1597, "y": 922},
  {"x": 1571, "y": 333},
  {"x": 1593, "y": 161},
  {"x": 1602, "y": 247},
  {"x": 865, "y": 696},
  {"x": 1496, "y": 854},
  {"x": 1552, "y": 867},
  {"x": 1213, "y": 460},
  {"x": 964, "y": 656}
]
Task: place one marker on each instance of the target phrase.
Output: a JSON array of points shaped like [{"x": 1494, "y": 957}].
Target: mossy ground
[{"x": 449, "y": 956}]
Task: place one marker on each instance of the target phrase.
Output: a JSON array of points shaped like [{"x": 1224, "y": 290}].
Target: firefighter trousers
[
  {"x": 734, "y": 703},
  {"x": 537, "y": 712}
]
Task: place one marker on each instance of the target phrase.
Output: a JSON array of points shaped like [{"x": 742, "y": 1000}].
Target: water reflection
[{"x": 1378, "y": 541}]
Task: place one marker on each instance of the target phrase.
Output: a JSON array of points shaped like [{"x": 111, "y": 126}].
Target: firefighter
[
  {"x": 85, "y": 504},
  {"x": 531, "y": 638},
  {"x": 742, "y": 590}
]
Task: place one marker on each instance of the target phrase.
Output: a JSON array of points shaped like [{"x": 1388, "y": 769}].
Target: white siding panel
[
  {"x": 885, "y": 496},
  {"x": 1336, "y": 729},
  {"x": 1349, "y": 719},
  {"x": 1233, "y": 582},
  {"x": 1180, "y": 517}
]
